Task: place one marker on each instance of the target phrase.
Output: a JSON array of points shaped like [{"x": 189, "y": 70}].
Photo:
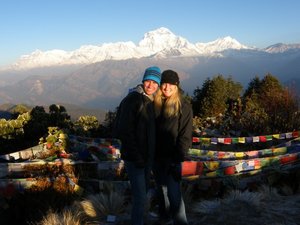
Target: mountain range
[{"x": 99, "y": 76}]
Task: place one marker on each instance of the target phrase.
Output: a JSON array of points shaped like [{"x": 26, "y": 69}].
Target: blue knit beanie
[{"x": 152, "y": 73}]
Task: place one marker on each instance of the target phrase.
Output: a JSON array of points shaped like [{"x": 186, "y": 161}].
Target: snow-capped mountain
[
  {"x": 280, "y": 48},
  {"x": 99, "y": 76},
  {"x": 220, "y": 45},
  {"x": 159, "y": 43},
  {"x": 163, "y": 40}
]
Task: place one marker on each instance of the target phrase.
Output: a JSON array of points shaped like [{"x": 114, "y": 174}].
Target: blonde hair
[{"x": 168, "y": 106}]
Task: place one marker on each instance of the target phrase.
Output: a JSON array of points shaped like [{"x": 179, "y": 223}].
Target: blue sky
[{"x": 27, "y": 25}]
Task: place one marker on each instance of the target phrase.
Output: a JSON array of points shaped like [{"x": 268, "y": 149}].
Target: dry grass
[
  {"x": 64, "y": 218},
  {"x": 263, "y": 207},
  {"x": 103, "y": 204},
  {"x": 109, "y": 201},
  {"x": 90, "y": 210}
]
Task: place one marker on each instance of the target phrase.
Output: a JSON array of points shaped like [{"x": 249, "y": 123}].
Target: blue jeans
[
  {"x": 139, "y": 181},
  {"x": 168, "y": 181}
]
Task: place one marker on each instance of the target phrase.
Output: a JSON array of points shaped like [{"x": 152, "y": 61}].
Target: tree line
[{"x": 264, "y": 107}]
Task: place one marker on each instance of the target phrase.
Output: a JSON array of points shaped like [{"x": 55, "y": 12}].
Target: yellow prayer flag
[
  {"x": 239, "y": 154},
  {"x": 242, "y": 140}
]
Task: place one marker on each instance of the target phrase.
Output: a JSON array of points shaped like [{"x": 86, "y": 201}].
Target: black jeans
[{"x": 168, "y": 180}]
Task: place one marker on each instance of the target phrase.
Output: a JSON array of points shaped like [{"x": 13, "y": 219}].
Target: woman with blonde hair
[{"x": 173, "y": 139}]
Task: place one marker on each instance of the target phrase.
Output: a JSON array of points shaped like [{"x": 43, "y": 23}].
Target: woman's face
[
  {"x": 150, "y": 87},
  {"x": 168, "y": 89}
]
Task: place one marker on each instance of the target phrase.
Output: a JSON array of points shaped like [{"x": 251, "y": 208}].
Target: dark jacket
[
  {"x": 136, "y": 127},
  {"x": 174, "y": 135}
]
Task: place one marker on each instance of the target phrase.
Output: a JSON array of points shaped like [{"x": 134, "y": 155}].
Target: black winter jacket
[
  {"x": 174, "y": 135},
  {"x": 136, "y": 128}
]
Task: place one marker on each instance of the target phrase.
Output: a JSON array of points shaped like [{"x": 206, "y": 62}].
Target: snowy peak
[
  {"x": 108, "y": 51},
  {"x": 162, "y": 42},
  {"x": 220, "y": 45},
  {"x": 160, "y": 39},
  {"x": 280, "y": 48},
  {"x": 227, "y": 43},
  {"x": 42, "y": 59}
]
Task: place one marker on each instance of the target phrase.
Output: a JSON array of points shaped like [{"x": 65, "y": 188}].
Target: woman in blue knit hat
[
  {"x": 135, "y": 127},
  {"x": 173, "y": 139}
]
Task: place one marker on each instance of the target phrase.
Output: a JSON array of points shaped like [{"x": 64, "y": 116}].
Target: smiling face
[
  {"x": 150, "y": 87},
  {"x": 168, "y": 89}
]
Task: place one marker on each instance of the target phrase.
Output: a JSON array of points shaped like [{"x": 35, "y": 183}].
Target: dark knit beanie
[
  {"x": 152, "y": 73},
  {"x": 170, "y": 76}
]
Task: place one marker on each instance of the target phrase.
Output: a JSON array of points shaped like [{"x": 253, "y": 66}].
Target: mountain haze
[{"x": 99, "y": 76}]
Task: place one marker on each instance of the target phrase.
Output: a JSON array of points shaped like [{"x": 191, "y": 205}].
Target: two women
[{"x": 162, "y": 131}]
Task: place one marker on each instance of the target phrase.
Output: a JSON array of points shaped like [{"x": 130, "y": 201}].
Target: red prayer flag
[
  {"x": 227, "y": 141},
  {"x": 262, "y": 138},
  {"x": 295, "y": 134}
]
